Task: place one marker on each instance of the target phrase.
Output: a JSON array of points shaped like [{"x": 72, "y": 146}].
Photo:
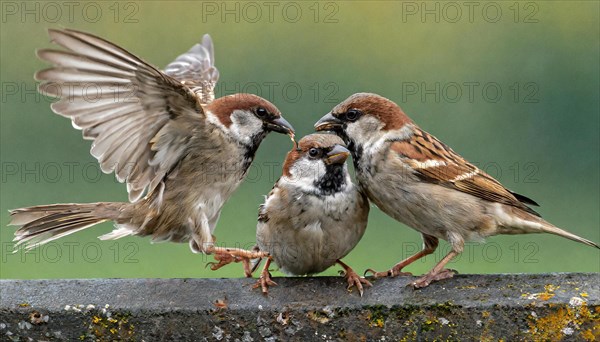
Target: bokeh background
[{"x": 511, "y": 87}]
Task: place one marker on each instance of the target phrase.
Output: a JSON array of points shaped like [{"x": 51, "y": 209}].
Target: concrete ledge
[{"x": 468, "y": 307}]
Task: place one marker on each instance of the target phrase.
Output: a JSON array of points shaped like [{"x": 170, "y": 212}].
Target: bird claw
[
  {"x": 375, "y": 274},
  {"x": 264, "y": 282},
  {"x": 222, "y": 260},
  {"x": 354, "y": 280},
  {"x": 431, "y": 277},
  {"x": 390, "y": 273},
  {"x": 226, "y": 259},
  {"x": 211, "y": 265}
]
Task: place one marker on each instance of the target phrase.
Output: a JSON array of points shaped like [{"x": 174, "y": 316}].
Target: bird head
[
  {"x": 247, "y": 118},
  {"x": 363, "y": 118},
  {"x": 317, "y": 164}
]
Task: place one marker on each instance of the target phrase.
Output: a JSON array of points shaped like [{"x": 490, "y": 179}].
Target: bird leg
[
  {"x": 430, "y": 243},
  {"x": 226, "y": 255},
  {"x": 353, "y": 278},
  {"x": 437, "y": 273},
  {"x": 265, "y": 278}
]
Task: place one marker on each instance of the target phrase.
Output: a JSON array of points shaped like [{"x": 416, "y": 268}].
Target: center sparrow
[
  {"x": 315, "y": 215},
  {"x": 419, "y": 181},
  {"x": 181, "y": 152}
]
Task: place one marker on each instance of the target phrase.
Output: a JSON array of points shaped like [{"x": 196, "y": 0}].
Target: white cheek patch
[
  {"x": 244, "y": 126},
  {"x": 365, "y": 129},
  {"x": 368, "y": 132},
  {"x": 305, "y": 172}
]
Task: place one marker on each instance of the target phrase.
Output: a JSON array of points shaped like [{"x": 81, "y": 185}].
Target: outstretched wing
[
  {"x": 139, "y": 118},
  {"x": 437, "y": 163},
  {"x": 196, "y": 69}
]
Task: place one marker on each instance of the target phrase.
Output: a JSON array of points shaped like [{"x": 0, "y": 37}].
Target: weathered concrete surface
[{"x": 468, "y": 307}]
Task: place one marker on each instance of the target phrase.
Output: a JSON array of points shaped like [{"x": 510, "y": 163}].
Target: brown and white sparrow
[
  {"x": 181, "y": 152},
  {"x": 419, "y": 181},
  {"x": 315, "y": 215}
]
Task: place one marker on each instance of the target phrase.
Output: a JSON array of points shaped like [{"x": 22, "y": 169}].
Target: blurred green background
[{"x": 444, "y": 63}]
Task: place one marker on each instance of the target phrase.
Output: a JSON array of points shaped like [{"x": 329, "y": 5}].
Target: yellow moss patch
[
  {"x": 565, "y": 321},
  {"x": 377, "y": 323},
  {"x": 546, "y": 295},
  {"x": 588, "y": 335},
  {"x": 410, "y": 337},
  {"x": 111, "y": 328}
]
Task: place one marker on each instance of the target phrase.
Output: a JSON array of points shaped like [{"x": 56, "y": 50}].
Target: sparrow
[
  {"x": 181, "y": 152},
  {"x": 314, "y": 215},
  {"x": 418, "y": 180}
]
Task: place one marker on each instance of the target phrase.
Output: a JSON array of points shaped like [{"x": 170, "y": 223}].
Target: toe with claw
[
  {"x": 430, "y": 277},
  {"x": 265, "y": 279},
  {"x": 225, "y": 256},
  {"x": 264, "y": 282},
  {"x": 222, "y": 259},
  {"x": 390, "y": 273},
  {"x": 353, "y": 278}
]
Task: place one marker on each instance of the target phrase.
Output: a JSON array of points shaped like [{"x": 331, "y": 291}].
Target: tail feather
[
  {"x": 33, "y": 241},
  {"x": 22, "y": 216},
  {"x": 548, "y": 228},
  {"x": 45, "y": 223},
  {"x": 518, "y": 221}
]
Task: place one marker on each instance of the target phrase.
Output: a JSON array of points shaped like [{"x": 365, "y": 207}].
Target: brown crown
[
  {"x": 224, "y": 106},
  {"x": 385, "y": 110}
]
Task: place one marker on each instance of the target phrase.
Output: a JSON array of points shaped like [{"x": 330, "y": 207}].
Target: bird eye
[
  {"x": 313, "y": 152},
  {"x": 352, "y": 114},
  {"x": 261, "y": 112}
]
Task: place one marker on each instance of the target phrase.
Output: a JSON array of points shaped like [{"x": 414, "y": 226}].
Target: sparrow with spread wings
[
  {"x": 418, "y": 180},
  {"x": 181, "y": 152}
]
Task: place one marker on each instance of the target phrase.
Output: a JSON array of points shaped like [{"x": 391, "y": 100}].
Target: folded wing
[{"x": 437, "y": 163}]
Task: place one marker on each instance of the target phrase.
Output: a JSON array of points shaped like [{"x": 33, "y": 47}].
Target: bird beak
[
  {"x": 337, "y": 155},
  {"x": 328, "y": 123},
  {"x": 280, "y": 125}
]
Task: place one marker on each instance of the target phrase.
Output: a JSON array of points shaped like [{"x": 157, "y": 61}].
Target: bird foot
[
  {"x": 430, "y": 277},
  {"x": 225, "y": 256},
  {"x": 393, "y": 272},
  {"x": 355, "y": 280},
  {"x": 264, "y": 282},
  {"x": 222, "y": 260}
]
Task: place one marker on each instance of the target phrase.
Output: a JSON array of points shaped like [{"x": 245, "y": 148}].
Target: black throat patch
[
  {"x": 333, "y": 181},
  {"x": 252, "y": 147}
]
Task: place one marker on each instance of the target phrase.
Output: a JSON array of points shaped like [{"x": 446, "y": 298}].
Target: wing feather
[
  {"x": 123, "y": 104},
  {"x": 437, "y": 163},
  {"x": 196, "y": 69}
]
